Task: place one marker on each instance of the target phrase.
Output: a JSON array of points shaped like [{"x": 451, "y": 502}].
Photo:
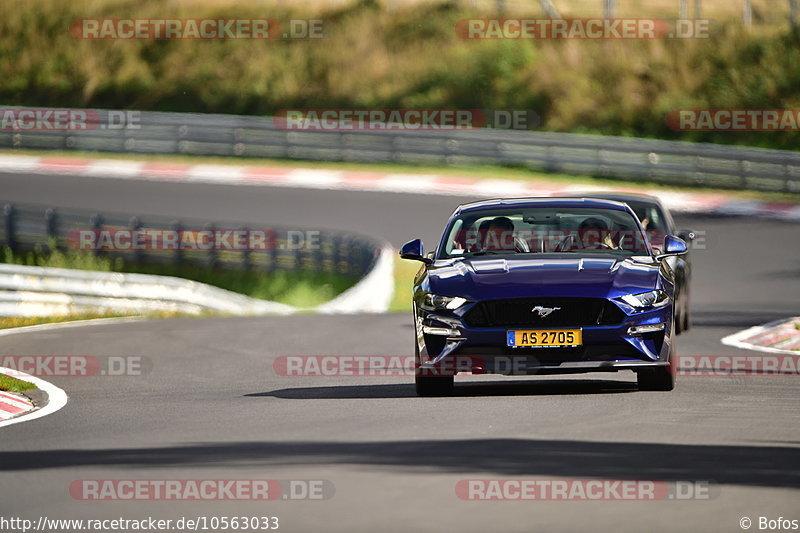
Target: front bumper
[{"x": 457, "y": 348}]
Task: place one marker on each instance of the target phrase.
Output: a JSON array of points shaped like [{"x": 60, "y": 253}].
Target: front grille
[{"x": 518, "y": 312}]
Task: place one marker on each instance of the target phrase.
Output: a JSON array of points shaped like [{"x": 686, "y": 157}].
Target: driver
[
  {"x": 594, "y": 234},
  {"x": 500, "y": 236}
]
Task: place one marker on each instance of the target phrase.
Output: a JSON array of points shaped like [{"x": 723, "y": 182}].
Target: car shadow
[
  {"x": 733, "y": 319},
  {"x": 766, "y": 466},
  {"x": 484, "y": 388}
]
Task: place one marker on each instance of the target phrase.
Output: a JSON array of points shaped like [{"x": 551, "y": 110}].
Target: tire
[
  {"x": 656, "y": 379},
  {"x": 686, "y": 316},
  {"x": 428, "y": 386},
  {"x": 680, "y": 311},
  {"x": 434, "y": 386}
]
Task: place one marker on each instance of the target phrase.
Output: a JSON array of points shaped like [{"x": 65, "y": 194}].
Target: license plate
[{"x": 545, "y": 338}]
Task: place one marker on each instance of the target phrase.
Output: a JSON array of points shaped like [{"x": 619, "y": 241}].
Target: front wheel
[
  {"x": 434, "y": 386},
  {"x": 431, "y": 385},
  {"x": 656, "y": 379}
]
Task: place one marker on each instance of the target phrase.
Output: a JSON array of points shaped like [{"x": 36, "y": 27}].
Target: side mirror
[
  {"x": 413, "y": 250},
  {"x": 687, "y": 235},
  {"x": 673, "y": 246}
]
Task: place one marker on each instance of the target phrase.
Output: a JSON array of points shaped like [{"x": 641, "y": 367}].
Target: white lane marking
[
  {"x": 56, "y": 398},
  {"x": 500, "y": 188},
  {"x": 314, "y": 178},
  {"x": 215, "y": 173},
  {"x": 407, "y": 183},
  {"x": 737, "y": 339},
  {"x": 19, "y": 163},
  {"x": 113, "y": 168}
]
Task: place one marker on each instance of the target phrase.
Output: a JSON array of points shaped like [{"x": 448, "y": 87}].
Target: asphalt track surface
[{"x": 213, "y": 407}]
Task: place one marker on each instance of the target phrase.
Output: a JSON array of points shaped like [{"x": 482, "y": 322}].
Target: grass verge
[
  {"x": 301, "y": 289},
  {"x": 404, "y": 272},
  {"x": 9, "y": 322},
  {"x": 9, "y": 384}
]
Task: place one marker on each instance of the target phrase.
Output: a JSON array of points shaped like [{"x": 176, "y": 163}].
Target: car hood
[{"x": 496, "y": 278}]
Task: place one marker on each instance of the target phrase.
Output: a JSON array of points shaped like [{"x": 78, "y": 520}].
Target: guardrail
[
  {"x": 667, "y": 162},
  {"x": 24, "y": 228},
  {"x": 37, "y": 291}
]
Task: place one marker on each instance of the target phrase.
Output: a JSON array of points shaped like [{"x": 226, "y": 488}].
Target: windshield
[
  {"x": 653, "y": 221},
  {"x": 542, "y": 230}
]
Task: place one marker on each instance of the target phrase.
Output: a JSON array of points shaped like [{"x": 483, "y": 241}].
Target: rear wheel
[
  {"x": 686, "y": 317},
  {"x": 680, "y": 313},
  {"x": 656, "y": 379}
]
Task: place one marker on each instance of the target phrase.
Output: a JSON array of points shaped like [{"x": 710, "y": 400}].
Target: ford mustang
[{"x": 543, "y": 286}]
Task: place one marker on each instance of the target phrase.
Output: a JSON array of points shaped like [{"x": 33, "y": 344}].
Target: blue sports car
[{"x": 543, "y": 286}]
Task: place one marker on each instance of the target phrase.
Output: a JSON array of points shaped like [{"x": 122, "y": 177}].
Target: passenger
[
  {"x": 641, "y": 214},
  {"x": 655, "y": 236}
]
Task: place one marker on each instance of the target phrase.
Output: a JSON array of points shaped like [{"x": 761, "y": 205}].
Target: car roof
[
  {"x": 541, "y": 202},
  {"x": 619, "y": 196},
  {"x": 666, "y": 222}
]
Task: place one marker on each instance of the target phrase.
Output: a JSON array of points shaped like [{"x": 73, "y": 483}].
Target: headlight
[
  {"x": 434, "y": 302},
  {"x": 647, "y": 299}
]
